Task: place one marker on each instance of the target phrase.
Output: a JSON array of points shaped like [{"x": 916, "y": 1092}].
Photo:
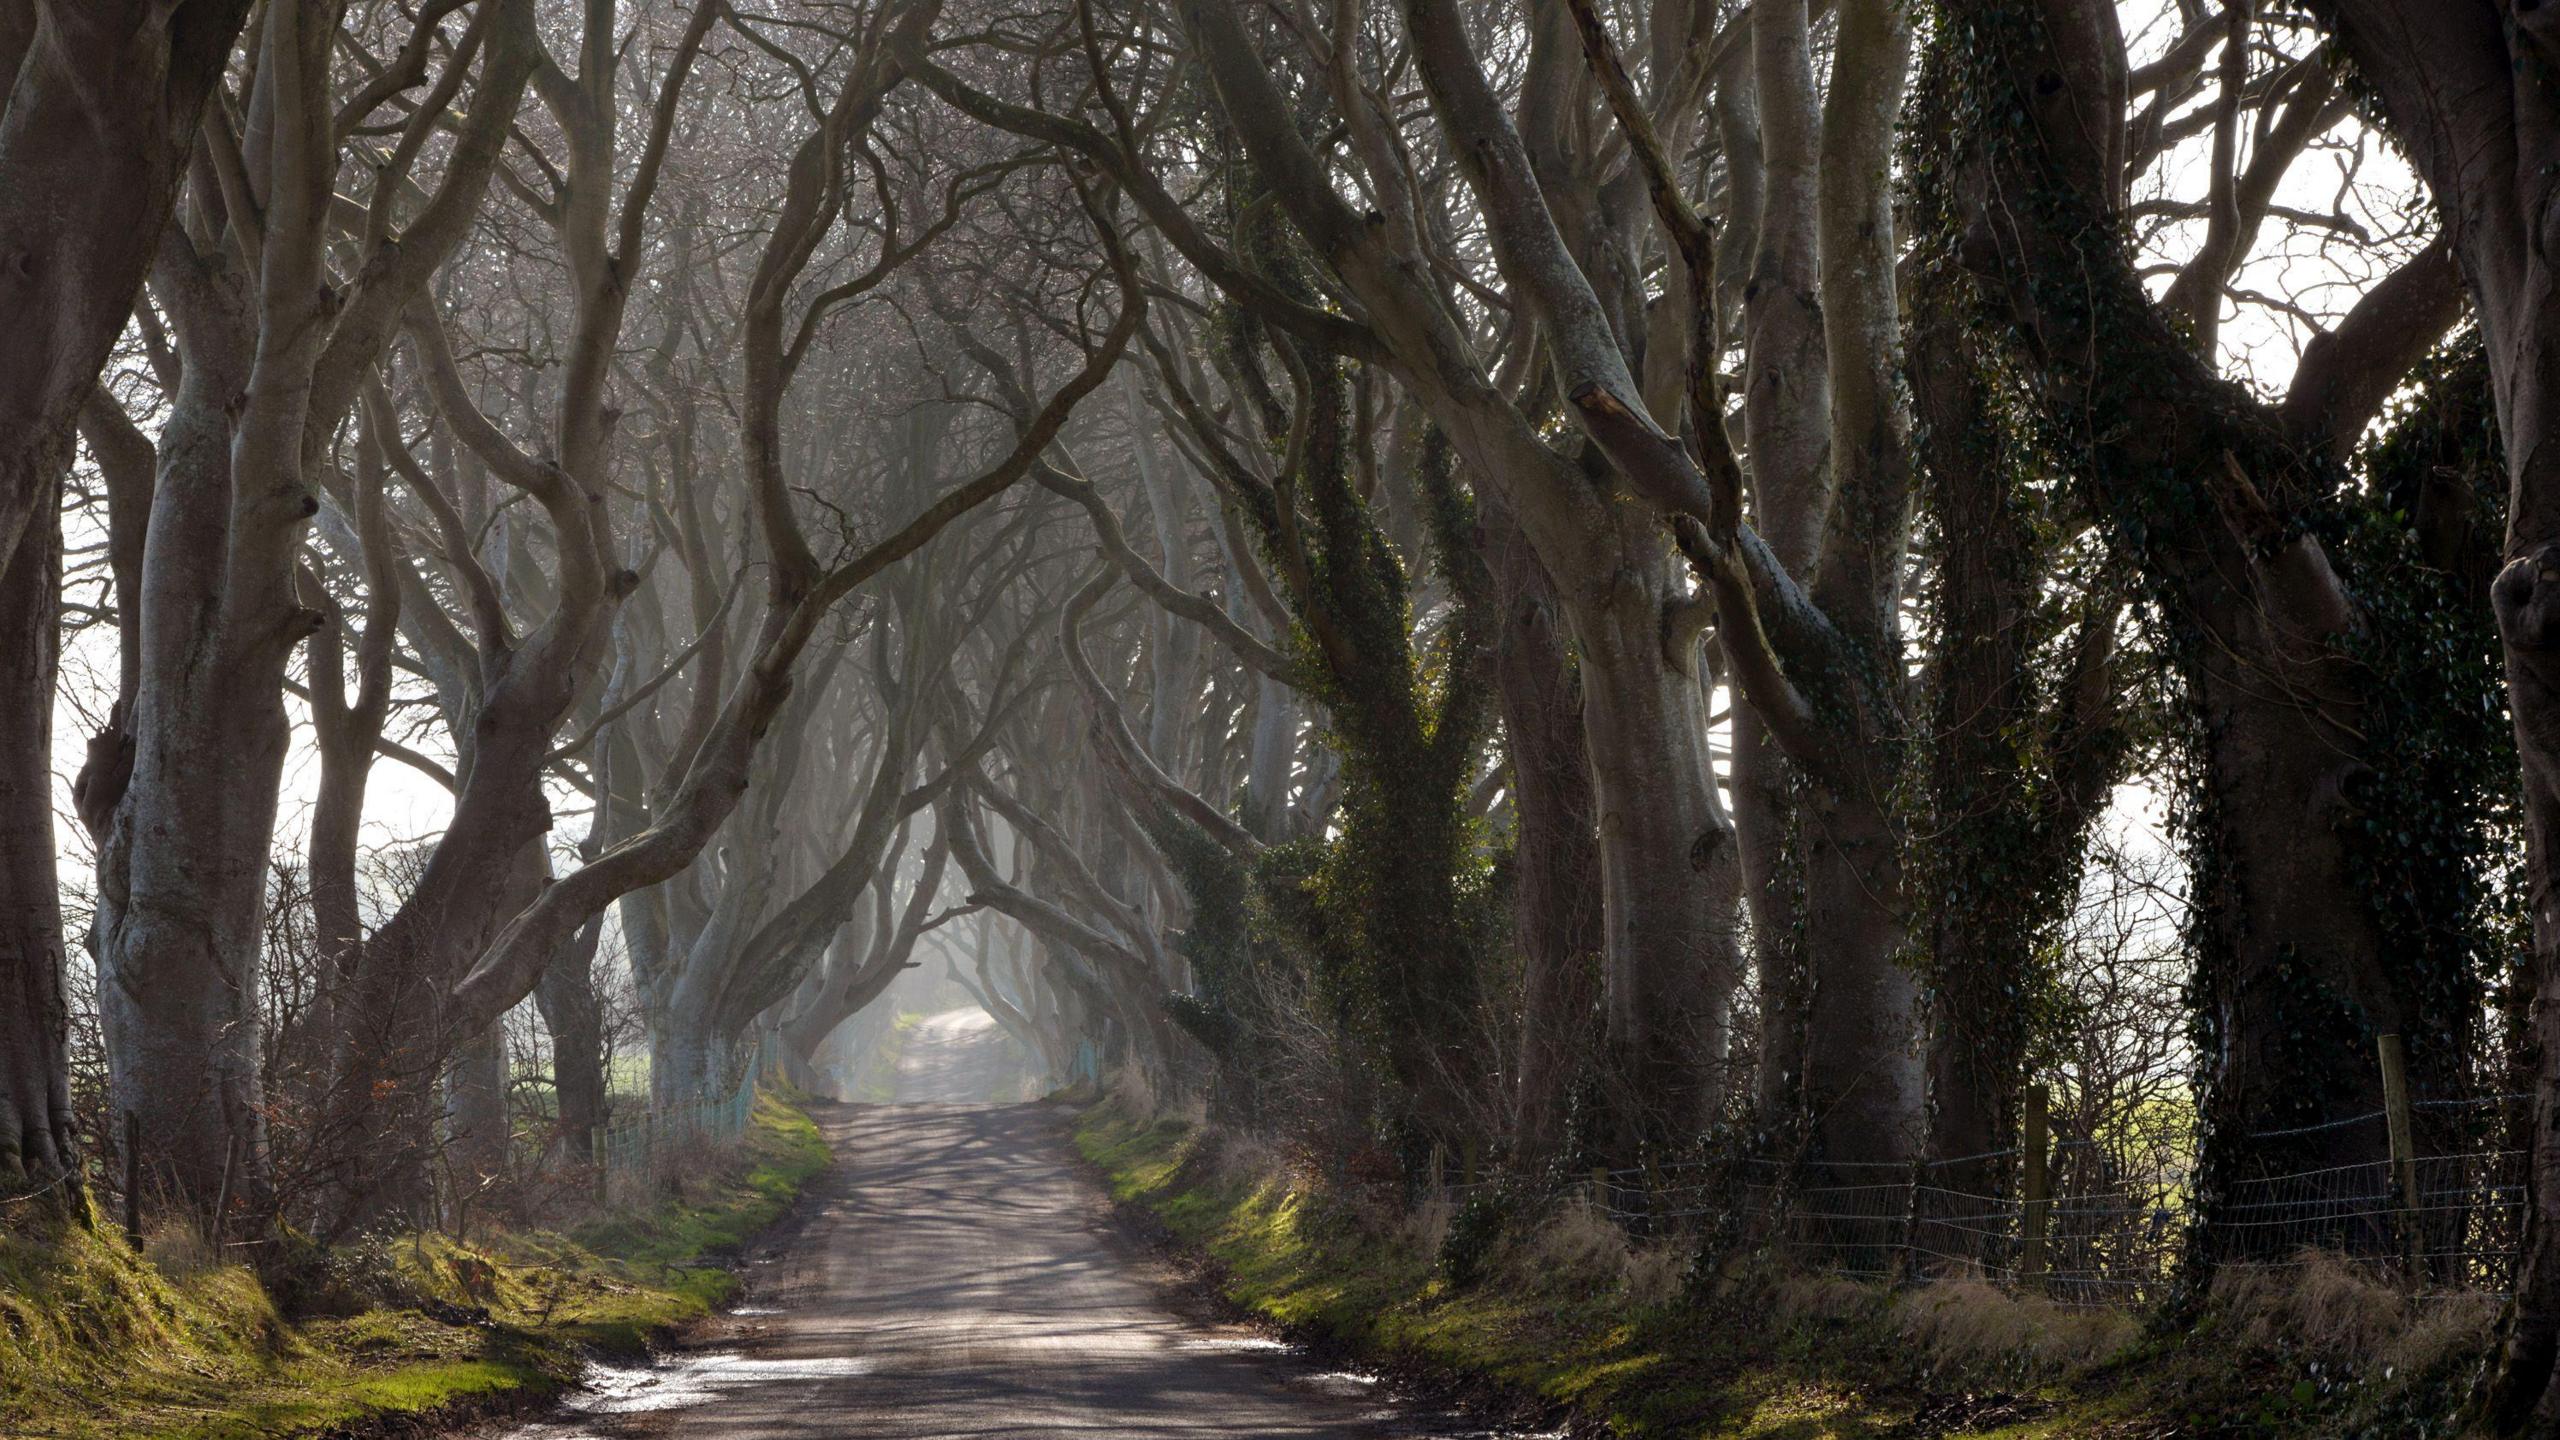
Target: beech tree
[
  {"x": 254, "y": 308},
  {"x": 97, "y": 120},
  {"x": 2232, "y": 512},
  {"x": 2466, "y": 88},
  {"x": 1526, "y": 586}
]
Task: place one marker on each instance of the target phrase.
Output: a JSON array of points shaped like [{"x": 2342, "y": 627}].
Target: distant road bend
[{"x": 953, "y": 1275}]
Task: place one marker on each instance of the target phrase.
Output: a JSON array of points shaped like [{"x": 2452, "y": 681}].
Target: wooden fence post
[
  {"x": 222, "y": 1197},
  {"x": 1906, "y": 1255},
  {"x": 2037, "y": 1186},
  {"x": 2404, "y": 1145}
]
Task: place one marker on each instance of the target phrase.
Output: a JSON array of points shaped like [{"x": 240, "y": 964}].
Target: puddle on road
[
  {"x": 690, "y": 1380},
  {"x": 1344, "y": 1383},
  {"x": 1241, "y": 1345},
  {"x": 685, "y": 1382},
  {"x": 1390, "y": 1412},
  {"x": 681, "y": 1383}
]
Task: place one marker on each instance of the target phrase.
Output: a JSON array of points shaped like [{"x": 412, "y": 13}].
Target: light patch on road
[
  {"x": 695, "y": 1380},
  {"x": 1240, "y": 1345},
  {"x": 1341, "y": 1382}
]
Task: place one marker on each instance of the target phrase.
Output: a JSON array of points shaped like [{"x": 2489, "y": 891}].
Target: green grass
[
  {"x": 1760, "y": 1355},
  {"x": 98, "y": 1341}
]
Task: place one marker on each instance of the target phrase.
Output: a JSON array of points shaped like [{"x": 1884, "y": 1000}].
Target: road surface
[
  {"x": 956, "y": 1057},
  {"x": 954, "y": 1275}
]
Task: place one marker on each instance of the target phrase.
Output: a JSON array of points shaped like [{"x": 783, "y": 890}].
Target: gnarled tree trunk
[
  {"x": 99, "y": 107},
  {"x": 1556, "y": 902},
  {"x": 574, "y": 1014},
  {"x": 35, "y": 1096}
]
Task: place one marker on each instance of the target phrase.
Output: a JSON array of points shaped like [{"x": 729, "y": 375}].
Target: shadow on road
[{"x": 952, "y": 1275}]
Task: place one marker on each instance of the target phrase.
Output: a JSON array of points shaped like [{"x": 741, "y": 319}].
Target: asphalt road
[
  {"x": 956, "y": 1057},
  {"x": 955, "y": 1275}
]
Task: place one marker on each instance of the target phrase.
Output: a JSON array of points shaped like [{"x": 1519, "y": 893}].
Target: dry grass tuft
[
  {"x": 1801, "y": 1297},
  {"x": 1656, "y": 1273},
  {"x": 1975, "y": 1325},
  {"x": 2331, "y": 1305},
  {"x": 1578, "y": 1247},
  {"x": 1425, "y": 1228},
  {"x": 2446, "y": 1328},
  {"x": 1243, "y": 1157},
  {"x": 1581, "y": 1251},
  {"x": 1135, "y": 1093},
  {"x": 179, "y": 1249}
]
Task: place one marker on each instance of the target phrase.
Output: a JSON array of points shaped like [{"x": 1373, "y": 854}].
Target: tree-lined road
[{"x": 954, "y": 1275}]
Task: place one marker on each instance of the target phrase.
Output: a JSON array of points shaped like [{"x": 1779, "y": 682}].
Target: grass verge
[
  {"x": 1614, "y": 1338},
  {"x": 97, "y": 1340}
]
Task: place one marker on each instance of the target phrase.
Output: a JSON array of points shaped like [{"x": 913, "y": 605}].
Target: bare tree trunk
[
  {"x": 829, "y": 1000},
  {"x": 1786, "y": 400},
  {"x": 574, "y": 1015},
  {"x": 183, "y": 861},
  {"x": 35, "y": 1097},
  {"x": 1556, "y": 902},
  {"x": 1670, "y": 875},
  {"x": 1864, "y": 1091},
  {"x": 1173, "y": 645},
  {"x": 475, "y": 1116},
  {"x": 686, "y": 1058},
  {"x": 689, "y": 1039},
  {"x": 102, "y": 103},
  {"x": 1272, "y": 757},
  {"x": 98, "y": 112}
]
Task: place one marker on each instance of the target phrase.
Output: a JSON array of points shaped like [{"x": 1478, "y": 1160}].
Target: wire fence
[
  {"x": 637, "y": 1146},
  {"x": 2086, "y": 1242},
  {"x": 2439, "y": 1211}
]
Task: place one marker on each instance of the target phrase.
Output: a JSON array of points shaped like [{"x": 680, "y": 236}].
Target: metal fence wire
[
  {"x": 638, "y": 1144},
  {"x": 2439, "y": 1211},
  {"x": 2093, "y": 1243}
]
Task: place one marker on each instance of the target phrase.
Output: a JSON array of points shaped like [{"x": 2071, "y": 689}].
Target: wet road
[{"x": 954, "y": 1275}]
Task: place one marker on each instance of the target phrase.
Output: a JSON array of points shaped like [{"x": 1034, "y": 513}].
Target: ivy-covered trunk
[
  {"x": 2468, "y": 91},
  {"x": 2276, "y": 620},
  {"x": 1983, "y": 909},
  {"x": 2023, "y": 743}
]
